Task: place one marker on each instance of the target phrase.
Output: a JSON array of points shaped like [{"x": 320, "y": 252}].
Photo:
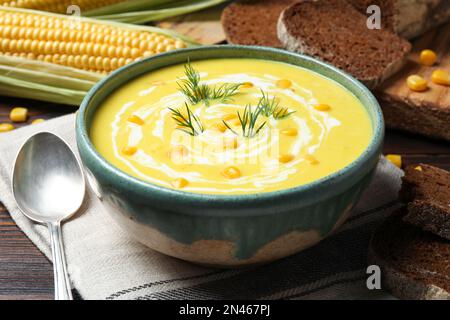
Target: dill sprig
[
  {"x": 267, "y": 105},
  {"x": 271, "y": 107},
  {"x": 225, "y": 91},
  {"x": 281, "y": 113},
  {"x": 248, "y": 122},
  {"x": 196, "y": 92},
  {"x": 188, "y": 123}
]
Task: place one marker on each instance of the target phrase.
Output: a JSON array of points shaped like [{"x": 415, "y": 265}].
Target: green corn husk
[
  {"x": 129, "y": 6},
  {"x": 145, "y": 13},
  {"x": 39, "y": 80},
  {"x": 50, "y": 68},
  {"x": 13, "y": 87},
  {"x": 45, "y": 78},
  {"x": 44, "y": 81}
]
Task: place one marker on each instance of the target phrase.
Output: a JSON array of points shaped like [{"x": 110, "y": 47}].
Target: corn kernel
[
  {"x": 18, "y": 114},
  {"x": 322, "y": 107},
  {"x": 5, "y": 127},
  {"x": 417, "y": 83},
  {"x": 231, "y": 173},
  {"x": 441, "y": 77},
  {"x": 311, "y": 159},
  {"x": 285, "y": 158},
  {"x": 428, "y": 57},
  {"x": 179, "y": 183},
  {"x": 396, "y": 159},
  {"x": 289, "y": 132},
  {"x": 247, "y": 85},
  {"x": 37, "y": 121},
  {"x": 284, "y": 83},
  {"x": 129, "y": 151},
  {"x": 229, "y": 116},
  {"x": 219, "y": 126},
  {"x": 230, "y": 143},
  {"x": 136, "y": 120},
  {"x": 418, "y": 168}
]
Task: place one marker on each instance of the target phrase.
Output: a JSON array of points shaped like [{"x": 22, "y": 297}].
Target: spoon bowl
[
  {"x": 49, "y": 187},
  {"x": 48, "y": 183}
]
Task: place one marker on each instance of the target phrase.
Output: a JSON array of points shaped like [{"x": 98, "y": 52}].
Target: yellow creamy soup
[{"x": 238, "y": 126}]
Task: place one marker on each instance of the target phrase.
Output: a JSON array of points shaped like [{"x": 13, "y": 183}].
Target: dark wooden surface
[{"x": 26, "y": 274}]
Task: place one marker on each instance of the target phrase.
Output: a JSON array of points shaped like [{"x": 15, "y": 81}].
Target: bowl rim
[{"x": 142, "y": 187}]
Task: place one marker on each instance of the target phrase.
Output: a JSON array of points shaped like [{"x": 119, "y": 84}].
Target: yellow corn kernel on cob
[
  {"x": 58, "y": 6},
  {"x": 83, "y": 44}
]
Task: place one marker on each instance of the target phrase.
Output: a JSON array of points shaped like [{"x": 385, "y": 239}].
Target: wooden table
[{"x": 26, "y": 274}]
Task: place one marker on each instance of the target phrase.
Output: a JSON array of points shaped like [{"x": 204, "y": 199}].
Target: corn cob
[
  {"x": 87, "y": 46},
  {"x": 57, "y": 58},
  {"x": 59, "y": 6}
]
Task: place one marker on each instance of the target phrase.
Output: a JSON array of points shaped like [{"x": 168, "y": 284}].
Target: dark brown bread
[
  {"x": 414, "y": 263},
  {"x": 253, "y": 22},
  {"x": 418, "y": 16},
  {"x": 426, "y": 189},
  {"x": 334, "y": 31}
]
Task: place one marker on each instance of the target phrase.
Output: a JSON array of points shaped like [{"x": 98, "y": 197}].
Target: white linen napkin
[{"x": 106, "y": 263}]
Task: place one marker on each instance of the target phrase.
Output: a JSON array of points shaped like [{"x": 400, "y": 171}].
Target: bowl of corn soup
[{"x": 229, "y": 155}]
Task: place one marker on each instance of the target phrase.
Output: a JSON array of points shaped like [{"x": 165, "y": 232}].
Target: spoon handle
[{"x": 62, "y": 284}]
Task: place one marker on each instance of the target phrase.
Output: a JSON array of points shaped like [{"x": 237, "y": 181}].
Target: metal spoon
[{"x": 49, "y": 187}]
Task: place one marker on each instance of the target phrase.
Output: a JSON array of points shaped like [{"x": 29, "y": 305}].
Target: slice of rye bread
[
  {"x": 408, "y": 18},
  {"x": 253, "y": 22},
  {"x": 414, "y": 263},
  {"x": 335, "y": 32},
  {"x": 426, "y": 189}
]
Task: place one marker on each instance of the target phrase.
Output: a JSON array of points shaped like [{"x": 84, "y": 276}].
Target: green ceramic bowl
[{"x": 223, "y": 230}]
